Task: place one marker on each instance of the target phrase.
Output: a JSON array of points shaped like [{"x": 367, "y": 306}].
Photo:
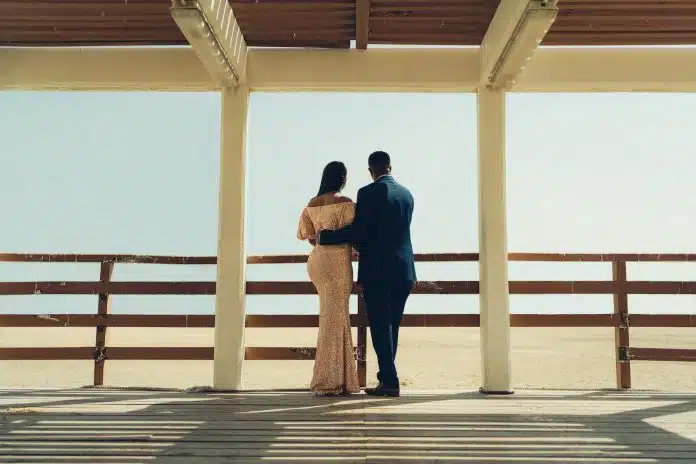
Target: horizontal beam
[
  {"x": 103, "y": 69},
  {"x": 662, "y": 354},
  {"x": 188, "y": 353},
  {"x": 441, "y": 287},
  {"x": 150, "y": 353},
  {"x": 305, "y": 320},
  {"x": 375, "y": 70},
  {"x": 639, "y": 69},
  {"x": 301, "y": 259},
  {"x": 553, "y": 70}
]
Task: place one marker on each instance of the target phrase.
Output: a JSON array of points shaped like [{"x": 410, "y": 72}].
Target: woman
[{"x": 331, "y": 272}]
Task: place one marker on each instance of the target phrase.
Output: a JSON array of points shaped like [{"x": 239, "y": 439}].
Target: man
[{"x": 381, "y": 232}]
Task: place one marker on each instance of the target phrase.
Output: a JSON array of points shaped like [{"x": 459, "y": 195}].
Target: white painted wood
[
  {"x": 493, "y": 255},
  {"x": 98, "y": 69},
  {"x": 502, "y": 31},
  {"x": 528, "y": 427},
  {"x": 230, "y": 298},
  {"x": 372, "y": 70},
  {"x": 211, "y": 28},
  {"x": 626, "y": 69},
  {"x": 225, "y": 26},
  {"x": 377, "y": 70}
]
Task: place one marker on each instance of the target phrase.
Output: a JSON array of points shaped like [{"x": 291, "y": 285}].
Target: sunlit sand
[{"x": 429, "y": 359}]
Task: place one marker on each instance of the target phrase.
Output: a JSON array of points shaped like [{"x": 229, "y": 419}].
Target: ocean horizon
[{"x": 126, "y": 173}]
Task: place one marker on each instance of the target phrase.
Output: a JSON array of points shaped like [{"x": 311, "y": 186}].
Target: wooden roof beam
[
  {"x": 517, "y": 29},
  {"x": 554, "y": 70},
  {"x": 214, "y": 34},
  {"x": 362, "y": 24}
]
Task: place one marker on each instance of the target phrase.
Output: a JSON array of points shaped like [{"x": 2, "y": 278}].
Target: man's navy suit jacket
[{"x": 381, "y": 232}]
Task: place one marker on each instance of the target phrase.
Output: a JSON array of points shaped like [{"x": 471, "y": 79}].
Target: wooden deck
[{"x": 128, "y": 426}]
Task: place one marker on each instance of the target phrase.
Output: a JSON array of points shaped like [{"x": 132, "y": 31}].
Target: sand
[{"x": 429, "y": 358}]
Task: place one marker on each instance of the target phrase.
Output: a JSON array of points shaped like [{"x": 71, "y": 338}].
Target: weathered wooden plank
[
  {"x": 290, "y": 259},
  {"x": 292, "y": 320},
  {"x": 662, "y": 354},
  {"x": 346, "y": 425},
  {"x": 11, "y": 459},
  {"x": 280, "y": 434},
  {"x": 151, "y": 353},
  {"x": 357, "y": 452},
  {"x": 403, "y": 418},
  {"x": 126, "y": 423},
  {"x": 105, "y": 274},
  {"x": 113, "y": 288},
  {"x": 563, "y": 320},
  {"x": 225, "y": 420},
  {"x": 621, "y": 330},
  {"x": 296, "y": 320},
  {"x": 92, "y": 258},
  {"x": 61, "y": 353},
  {"x": 662, "y": 320},
  {"x": 441, "y": 287},
  {"x": 368, "y": 443},
  {"x": 395, "y": 459}
]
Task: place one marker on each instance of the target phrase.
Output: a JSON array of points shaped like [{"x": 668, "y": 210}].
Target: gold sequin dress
[{"x": 331, "y": 272}]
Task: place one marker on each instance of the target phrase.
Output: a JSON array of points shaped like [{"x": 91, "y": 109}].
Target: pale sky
[{"x": 137, "y": 173}]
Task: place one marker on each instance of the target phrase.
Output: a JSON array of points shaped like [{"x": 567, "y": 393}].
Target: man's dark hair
[{"x": 379, "y": 162}]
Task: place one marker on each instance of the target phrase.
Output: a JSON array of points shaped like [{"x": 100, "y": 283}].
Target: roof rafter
[
  {"x": 362, "y": 24},
  {"x": 515, "y": 32},
  {"x": 214, "y": 34}
]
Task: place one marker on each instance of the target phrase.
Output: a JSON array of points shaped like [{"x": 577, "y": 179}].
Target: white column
[
  {"x": 493, "y": 262},
  {"x": 230, "y": 297}
]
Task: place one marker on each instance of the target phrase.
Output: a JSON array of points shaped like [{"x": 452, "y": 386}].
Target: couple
[{"x": 378, "y": 227}]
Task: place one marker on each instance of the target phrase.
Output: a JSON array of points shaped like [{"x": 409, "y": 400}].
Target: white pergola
[{"x": 219, "y": 60}]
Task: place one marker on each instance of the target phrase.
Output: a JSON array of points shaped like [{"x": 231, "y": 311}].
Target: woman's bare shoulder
[
  {"x": 316, "y": 201},
  {"x": 326, "y": 201},
  {"x": 342, "y": 199}
]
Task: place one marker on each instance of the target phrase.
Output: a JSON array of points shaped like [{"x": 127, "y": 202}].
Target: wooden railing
[{"x": 620, "y": 287}]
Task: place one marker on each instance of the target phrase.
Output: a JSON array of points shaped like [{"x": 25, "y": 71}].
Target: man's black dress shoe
[
  {"x": 384, "y": 390},
  {"x": 371, "y": 389}
]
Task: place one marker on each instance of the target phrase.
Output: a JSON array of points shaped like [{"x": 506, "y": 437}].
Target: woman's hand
[{"x": 355, "y": 254}]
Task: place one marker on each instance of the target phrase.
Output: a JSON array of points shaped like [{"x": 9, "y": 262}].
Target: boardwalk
[{"x": 128, "y": 426}]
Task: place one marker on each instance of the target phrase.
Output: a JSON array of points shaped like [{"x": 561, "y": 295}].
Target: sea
[{"x": 138, "y": 173}]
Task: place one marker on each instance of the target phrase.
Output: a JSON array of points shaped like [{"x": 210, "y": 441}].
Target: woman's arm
[
  {"x": 353, "y": 233},
  {"x": 305, "y": 229}
]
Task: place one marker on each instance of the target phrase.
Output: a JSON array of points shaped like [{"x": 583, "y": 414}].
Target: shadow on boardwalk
[{"x": 129, "y": 426}]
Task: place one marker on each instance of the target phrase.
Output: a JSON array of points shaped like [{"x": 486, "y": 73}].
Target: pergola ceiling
[{"x": 332, "y": 23}]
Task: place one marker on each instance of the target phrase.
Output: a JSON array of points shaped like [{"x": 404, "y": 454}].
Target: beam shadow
[{"x": 127, "y": 426}]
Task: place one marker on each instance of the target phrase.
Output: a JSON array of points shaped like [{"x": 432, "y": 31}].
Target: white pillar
[
  {"x": 493, "y": 261},
  {"x": 230, "y": 297}
]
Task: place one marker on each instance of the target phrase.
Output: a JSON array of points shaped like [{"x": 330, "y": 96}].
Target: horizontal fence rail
[
  {"x": 620, "y": 287},
  {"x": 299, "y": 321}
]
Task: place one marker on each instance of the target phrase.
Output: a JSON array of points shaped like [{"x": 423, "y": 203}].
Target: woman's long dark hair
[{"x": 333, "y": 178}]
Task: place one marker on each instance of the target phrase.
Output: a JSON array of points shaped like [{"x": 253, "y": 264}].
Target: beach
[{"x": 429, "y": 358}]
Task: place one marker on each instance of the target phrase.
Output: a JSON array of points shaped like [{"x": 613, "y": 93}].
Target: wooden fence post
[
  {"x": 107, "y": 268},
  {"x": 621, "y": 334},
  {"x": 362, "y": 341}
]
